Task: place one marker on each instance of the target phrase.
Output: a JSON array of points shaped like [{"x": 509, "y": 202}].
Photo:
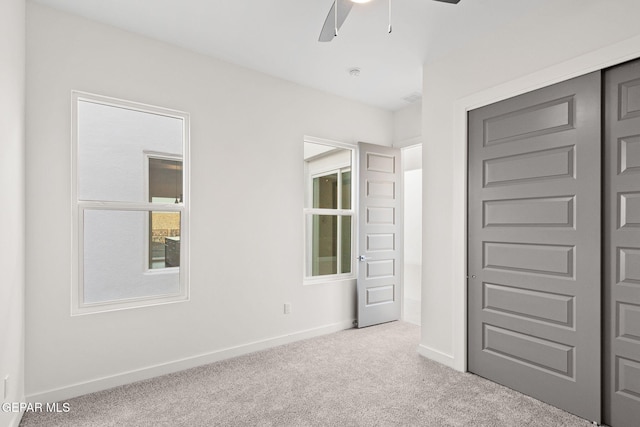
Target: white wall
[
  {"x": 247, "y": 189},
  {"x": 571, "y": 38},
  {"x": 412, "y": 196},
  {"x": 12, "y": 263},
  {"x": 407, "y": 125}
]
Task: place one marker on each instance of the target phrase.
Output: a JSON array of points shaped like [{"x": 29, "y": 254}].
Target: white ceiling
[{"x": 279, "y": 37}]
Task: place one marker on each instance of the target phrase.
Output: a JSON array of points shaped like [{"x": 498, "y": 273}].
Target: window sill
[
  {"x": 165, "y": 270},
  {"x": 323, "y": 280},
  {"x": 127, "y": 304}
]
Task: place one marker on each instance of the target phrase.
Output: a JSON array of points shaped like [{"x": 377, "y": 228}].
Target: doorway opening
[{"x": 412, "y": 171}]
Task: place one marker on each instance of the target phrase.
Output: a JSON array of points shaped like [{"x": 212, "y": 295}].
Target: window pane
[
  {"x": 164, "y": 242},
  {"x": 324, "y": 254},
  {"x": 345, "y": 245},
  {"x": 346, "y": 190},
  {"x": 114, "y": 263},
  {"x": 112, "y": 142},
  {"x": 165, "y": 180},
  {"x": 323, "y": 164},
  {"x": 325, "y": 192}
]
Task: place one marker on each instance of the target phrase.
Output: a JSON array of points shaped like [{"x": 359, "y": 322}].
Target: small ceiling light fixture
[
  {"x": 354, "y": 72},
  {"x": 361, "y": 1}
]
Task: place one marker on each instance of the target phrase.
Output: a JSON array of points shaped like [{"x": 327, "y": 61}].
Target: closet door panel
[
  {"x": 534, "y": 294},
  {"x": 622, "y": 246}
]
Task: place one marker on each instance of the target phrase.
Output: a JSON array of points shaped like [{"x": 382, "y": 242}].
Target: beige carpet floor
[{"x": 358, "y": 377}]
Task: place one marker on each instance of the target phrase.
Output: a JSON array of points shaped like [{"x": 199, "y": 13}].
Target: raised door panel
[
  {"x": 629, "y": 154},
  {"x": 539, "y": 119},
  {"x": 537, "y": 305},
  {"x": 531, "y": 212}
]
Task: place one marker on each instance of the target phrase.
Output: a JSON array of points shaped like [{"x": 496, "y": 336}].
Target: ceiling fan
[{"x": 338, "y": 13}]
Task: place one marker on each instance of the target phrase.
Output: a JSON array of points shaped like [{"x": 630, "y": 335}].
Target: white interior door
[{"x": 380, "y": 234}]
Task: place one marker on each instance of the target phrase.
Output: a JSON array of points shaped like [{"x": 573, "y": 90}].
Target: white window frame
[
  {"x": 307, "y": 212},
  {"x": 78, "y": 306}
]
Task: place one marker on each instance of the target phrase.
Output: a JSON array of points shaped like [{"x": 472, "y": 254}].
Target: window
[
  {"x": 328, "y": 210},
  {"x": 164, "y": 186},
  {"x": 131, "y": 206}
]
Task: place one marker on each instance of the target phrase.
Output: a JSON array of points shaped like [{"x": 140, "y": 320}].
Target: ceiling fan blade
[
  {"x": 328, "y": 29},
  {"x": 450, "y": 1}
]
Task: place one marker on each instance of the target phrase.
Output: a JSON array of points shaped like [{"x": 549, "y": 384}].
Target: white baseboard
[
  {"x": 412, "y": 321},
  {"x": 411, "y": 311},
  {"x": 436, "y": 355},
  {"x": 15, "y": 420},
  {"x": 99, "y": 384}
]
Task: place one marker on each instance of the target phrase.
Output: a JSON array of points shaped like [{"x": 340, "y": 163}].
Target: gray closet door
[
  {"x": 534, "y": 244},
  {"x": 622, "y": 246}
]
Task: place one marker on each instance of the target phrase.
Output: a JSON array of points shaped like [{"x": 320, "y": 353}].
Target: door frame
[{"x": 593, "y": 61}]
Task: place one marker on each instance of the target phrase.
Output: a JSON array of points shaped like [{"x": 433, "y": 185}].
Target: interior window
[{"x": 328, "y": 210}]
